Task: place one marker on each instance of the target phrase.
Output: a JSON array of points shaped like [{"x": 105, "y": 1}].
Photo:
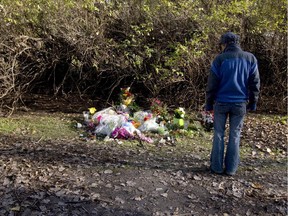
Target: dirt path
[{"x": 80, "y": 178}]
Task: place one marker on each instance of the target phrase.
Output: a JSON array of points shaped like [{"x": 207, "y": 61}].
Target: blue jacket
[{"x": 234, "y": 77}]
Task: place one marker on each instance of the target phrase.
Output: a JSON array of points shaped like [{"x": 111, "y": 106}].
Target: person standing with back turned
[{"x": 233, "y": 87}]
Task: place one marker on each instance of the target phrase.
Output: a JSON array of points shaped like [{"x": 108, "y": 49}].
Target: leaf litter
[{"x": 62, "y": 177}]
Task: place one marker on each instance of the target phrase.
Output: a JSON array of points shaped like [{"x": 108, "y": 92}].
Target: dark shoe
[
  {"x": 229, "y": 174},
  {"x": 213, "y": 172}
]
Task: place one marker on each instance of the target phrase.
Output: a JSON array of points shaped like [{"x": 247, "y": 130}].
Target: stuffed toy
[{"x": 178, "y": 120}]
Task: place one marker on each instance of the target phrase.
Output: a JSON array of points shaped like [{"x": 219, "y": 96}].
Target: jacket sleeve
[
  {"x": 254, "y": 86},
  {"x": 211, "y": 90}
]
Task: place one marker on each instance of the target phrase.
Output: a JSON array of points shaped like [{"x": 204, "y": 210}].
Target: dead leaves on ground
[
  {"x": 267, "y": 136},
  {"x": 61, "y": 177}
]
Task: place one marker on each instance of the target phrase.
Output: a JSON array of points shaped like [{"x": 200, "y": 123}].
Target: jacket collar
[{"x": 232, "y": 47}]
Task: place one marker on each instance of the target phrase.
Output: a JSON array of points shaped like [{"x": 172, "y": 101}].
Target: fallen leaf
[
  {"x": 16, "y": 208},
  {"x": 197, "y": 178},
  {"x": 96, "y": 196},
  {"x": 60, "y": 193},
  {"x": 46, "y": 201},
  {"x": 268, "y": 150},
  {"x": 94, "y": 185},
  {"x": 108, "y": 172},
  {"x": 164, "y": 195},
  {"x": 108, "y": 185},
  {"x": 130, "y": 183},
  {"x": 118, "y": 199},
  {"x": 6, "y": 182},
  {"x": 140, "y": 189},
  {"x": 192, "y": 196},
  {"x": 61, "y": 168},
  {"x": 138, "y": 198},
  {"x": 256, "y": 186}
]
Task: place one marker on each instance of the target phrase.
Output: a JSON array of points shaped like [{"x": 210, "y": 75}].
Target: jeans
[{"x": 236, "y": 113}]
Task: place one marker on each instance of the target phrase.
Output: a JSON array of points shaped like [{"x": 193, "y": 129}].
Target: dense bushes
[{"x": 160, "y": 48}]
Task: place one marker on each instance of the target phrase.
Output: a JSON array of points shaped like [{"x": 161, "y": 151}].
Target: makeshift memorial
[
  {"x": 112, "y": 123},
  {"x": 122, "y": 123}
]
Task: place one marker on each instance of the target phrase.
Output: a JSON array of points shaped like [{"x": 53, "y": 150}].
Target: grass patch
[
  {"x": 45, "y": 126},
  {"x": 62, "y": 126},
  {"x": 53, "y": 126}
]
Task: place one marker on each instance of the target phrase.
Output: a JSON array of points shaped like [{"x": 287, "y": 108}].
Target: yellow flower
[
  {"x": 127, "y": 101},
  {"x": 92, "y": 110}
]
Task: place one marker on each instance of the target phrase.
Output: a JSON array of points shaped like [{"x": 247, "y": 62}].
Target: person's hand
[{"x": 251, "y": 107}]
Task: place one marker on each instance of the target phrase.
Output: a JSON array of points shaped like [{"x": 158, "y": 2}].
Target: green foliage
[{"x": 165, "y": 47}]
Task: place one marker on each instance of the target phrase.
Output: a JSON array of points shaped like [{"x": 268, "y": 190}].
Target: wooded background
[{"x": 160, "y": 48}]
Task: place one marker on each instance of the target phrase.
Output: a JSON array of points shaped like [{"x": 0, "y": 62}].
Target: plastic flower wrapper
[{"x": 140, "y": 117}]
